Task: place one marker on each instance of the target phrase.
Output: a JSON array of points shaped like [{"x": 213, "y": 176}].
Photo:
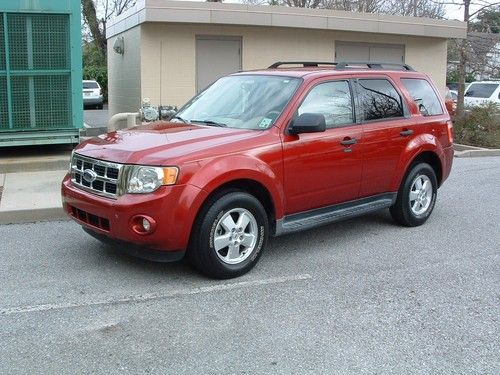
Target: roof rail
[
  {"x": 305, "y": 64},
  {"x": 346, "y": 65}
]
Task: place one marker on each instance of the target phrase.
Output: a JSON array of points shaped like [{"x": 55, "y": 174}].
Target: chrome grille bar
[{"x": 104, "y": 176}]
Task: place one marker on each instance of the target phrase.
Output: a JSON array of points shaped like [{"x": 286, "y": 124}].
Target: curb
[
  {"x": 32, "y": 215},
  {"x": 35, "y": 166},
  {"x": 465, "y": 151}
]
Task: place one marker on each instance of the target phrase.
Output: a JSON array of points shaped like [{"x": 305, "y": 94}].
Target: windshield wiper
[
  {"x": 179, "y": 118},
  {"x": 209, "y": 122}
]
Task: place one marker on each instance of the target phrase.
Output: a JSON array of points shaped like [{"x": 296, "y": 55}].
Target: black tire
[
  {"x": 402, "y": 211},
  {"x": 202, "y": 251}
]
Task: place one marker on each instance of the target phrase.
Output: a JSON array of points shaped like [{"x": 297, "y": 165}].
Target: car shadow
[{"x": 277, "y": 246}]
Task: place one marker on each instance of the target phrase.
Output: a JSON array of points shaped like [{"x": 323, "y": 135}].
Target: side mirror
[{"x": 308, "y": 123}]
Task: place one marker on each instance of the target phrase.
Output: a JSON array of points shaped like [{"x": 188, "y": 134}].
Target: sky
[{"x": 457, "y": 12}]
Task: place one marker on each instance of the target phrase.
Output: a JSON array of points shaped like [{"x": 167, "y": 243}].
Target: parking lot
[{"x": 361, "y": 296}]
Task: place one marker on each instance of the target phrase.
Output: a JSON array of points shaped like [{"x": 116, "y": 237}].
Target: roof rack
[
  {"x": 345, "y": 65},
  {"x": 305, "y": 64}
]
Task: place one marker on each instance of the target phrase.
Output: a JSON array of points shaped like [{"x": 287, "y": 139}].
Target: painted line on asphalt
[{"x": 153, "y": 296}]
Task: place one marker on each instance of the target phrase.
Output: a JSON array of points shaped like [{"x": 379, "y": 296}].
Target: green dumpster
[{"x": 40, "y": 72}]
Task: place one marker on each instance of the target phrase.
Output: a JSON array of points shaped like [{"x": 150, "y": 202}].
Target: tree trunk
[{"x": 90, "y": 16}]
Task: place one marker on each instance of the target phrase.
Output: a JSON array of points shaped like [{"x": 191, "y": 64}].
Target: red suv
[{"x": 265, "y": 153}]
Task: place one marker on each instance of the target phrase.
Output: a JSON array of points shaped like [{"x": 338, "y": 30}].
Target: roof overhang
[{"x": 166, "y": 11}]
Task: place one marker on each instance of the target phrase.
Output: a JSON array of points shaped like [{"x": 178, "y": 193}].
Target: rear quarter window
[{"x": 424, "y": 95}]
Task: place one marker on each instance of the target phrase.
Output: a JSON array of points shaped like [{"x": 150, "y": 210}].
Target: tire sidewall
[
  {"x": 418, "y": 170},
  {"x": 209, "y": 224}
]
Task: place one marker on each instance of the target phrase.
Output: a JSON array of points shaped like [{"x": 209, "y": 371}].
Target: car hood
[{"x": 163, "y": 143}]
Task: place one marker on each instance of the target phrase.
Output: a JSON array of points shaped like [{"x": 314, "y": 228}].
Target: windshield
[{"x": 243, "y": 102}]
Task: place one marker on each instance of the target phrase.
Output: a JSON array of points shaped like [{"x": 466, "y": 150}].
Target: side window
[
  {"x": 331, "y": 99},
  {"x": 379, "y": 99},
  {"x": 423, "y": 94}
]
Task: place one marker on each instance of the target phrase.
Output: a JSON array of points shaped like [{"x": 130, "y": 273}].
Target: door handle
[
  {"x": 348, "y": 141},
  {"x": 406, "y": 132}
]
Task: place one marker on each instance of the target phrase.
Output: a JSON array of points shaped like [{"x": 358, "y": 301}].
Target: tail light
[{"x": 450, "y": 131}]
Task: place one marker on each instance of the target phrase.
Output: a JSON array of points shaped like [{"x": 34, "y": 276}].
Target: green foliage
[
  {"x": 95, "y": 67},
  {"x": 452, "y": 76},
  {"x": 479, "y": 126},
  {"x": 487, "y": 21}
]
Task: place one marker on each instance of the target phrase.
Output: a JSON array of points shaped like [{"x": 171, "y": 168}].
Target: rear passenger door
[{"x": 387, "y": 128}]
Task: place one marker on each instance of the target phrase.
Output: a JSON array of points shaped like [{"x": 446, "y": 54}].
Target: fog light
[
  {"x": 146, "y": 225},
  {"x": 142, "y": 224}
]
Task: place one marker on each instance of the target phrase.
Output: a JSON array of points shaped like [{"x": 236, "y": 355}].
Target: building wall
[
  {"x": 124, "y": 73},
  {"x": 168, "y": 55}
]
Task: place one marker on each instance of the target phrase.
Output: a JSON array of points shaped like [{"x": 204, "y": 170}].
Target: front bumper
[{"x": 172, "y": 207}]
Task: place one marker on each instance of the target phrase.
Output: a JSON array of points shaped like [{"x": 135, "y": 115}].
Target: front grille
[
  {"x": 90, "y": 219},
  {"x": 104, "y": 175}
]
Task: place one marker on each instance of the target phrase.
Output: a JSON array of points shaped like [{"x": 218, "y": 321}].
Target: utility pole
[{"x": 464, "y": 47}]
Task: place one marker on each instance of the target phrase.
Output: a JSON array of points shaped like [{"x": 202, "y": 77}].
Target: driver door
[{"x": 322, "y": 169}]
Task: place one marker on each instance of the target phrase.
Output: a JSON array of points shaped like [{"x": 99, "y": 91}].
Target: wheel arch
[
  {"x": 250, "y": 186},
  {"x": 433, "y": 160},
  {"x": 423, "y": 149}
]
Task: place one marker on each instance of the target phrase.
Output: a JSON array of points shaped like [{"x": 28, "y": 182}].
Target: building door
[
  {"x": 369, "y": 52},
  {"x": 216, "y": 56}
]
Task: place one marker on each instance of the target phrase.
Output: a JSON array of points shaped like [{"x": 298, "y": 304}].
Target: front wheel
[
  {"x": 416, "y": 196},
  {"x": 229, "y": 235}
]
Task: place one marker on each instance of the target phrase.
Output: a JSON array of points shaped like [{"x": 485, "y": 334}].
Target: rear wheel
[
  {"x": 229, "y": 235},
  {"x": 416, "y": 196}
]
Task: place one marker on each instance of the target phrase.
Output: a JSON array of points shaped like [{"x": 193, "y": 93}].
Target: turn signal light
[{"x": 170, "y": 175}]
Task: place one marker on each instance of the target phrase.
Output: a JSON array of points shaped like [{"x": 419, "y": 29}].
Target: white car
[
  {"x": 482, "y": 92},
  {"x": 92, "y": 94}
]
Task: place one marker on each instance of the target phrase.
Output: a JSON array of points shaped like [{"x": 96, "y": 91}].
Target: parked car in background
[
  {"x": 92, "y": 94},
  {"x": 450, "y": 100},
  {"x": 482, "y": 92}
]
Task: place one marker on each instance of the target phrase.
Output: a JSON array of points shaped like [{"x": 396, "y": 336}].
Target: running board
[{"x": 326, "y": 215}]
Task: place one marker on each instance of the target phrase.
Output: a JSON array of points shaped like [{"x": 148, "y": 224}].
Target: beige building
[{"x": 170, "y": 50}]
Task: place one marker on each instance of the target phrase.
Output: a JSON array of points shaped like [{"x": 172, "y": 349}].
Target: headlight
[{"x": 144, "y": 179}]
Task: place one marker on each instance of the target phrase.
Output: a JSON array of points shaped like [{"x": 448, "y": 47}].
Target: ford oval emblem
[{"x": 89, "y": 175}]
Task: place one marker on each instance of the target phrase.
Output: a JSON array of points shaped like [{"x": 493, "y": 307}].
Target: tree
[
  {"x": 487, "y": 21},
  {"x": 465, "y": 50},
  {"x": 415, "y": 8},
  {"x": 418, "y": 8},
  {"x": 91, "y": 9}
]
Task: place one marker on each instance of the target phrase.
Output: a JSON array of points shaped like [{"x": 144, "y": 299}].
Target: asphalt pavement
[
  {"x": 362, "y": 297},
  {"x": 96, "y": 117}
]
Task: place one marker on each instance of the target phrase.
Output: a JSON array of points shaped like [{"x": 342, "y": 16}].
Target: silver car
[{"x": 92, "y": 94}]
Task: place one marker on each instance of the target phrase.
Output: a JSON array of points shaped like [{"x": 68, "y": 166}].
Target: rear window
[
  {"x": 90, "y": 85},
  {"x": 423, "y": 94},
  {"x": 481, "y": 90}
]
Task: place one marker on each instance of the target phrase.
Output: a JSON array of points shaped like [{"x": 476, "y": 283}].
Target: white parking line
[{"x": 153, "y": 296}]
